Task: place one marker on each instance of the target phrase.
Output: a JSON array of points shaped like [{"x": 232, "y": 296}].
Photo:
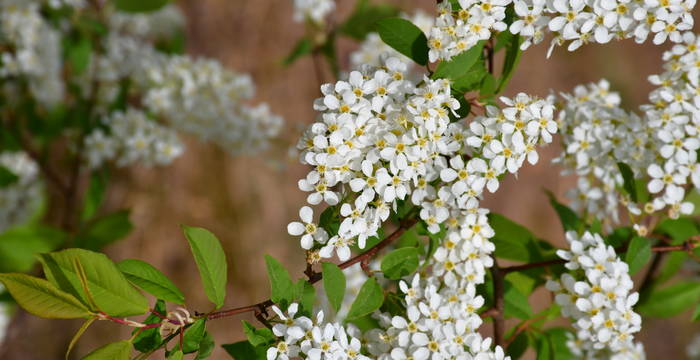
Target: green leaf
[
  {"x": 638, "y": 253},
  {"x": 518, "y": 346},
  {"x": 78, "y": 53},
  {"x": 513, "y": 241},
  {"x": 151, "y": 280},
  {"x": 679, "y": 230},
  {"x": 206, "y": 347},
  {"x": 41, "y": 298},
  {"x": 333, "y": 284},
  {"x": 303, "y": 47},
  {"x": 557, "y": 340},
  {"x": 471, "y": 80},
  {"x": 674, "y": 262},
  {"x": 362, "y": 21},
  {"x": 242, "y": 350},
  {"x": 7, "y": 177},
  {"x": 78, "y": 334},
  {"x": 629, "y": 183},
  {"x": 211, "y": 262},
  {"x": 305, "y": 296},
  {"x": 620, "y": 236},
  {"x": 258, "y": 337},
  {"x": 526, "y": 281},
  {"x": 110, "y": 290},
  {"x": 281, "y": 284},
  {"x": 367, "y": 301},
  {"x": 193, "y": 336},
  {"x": 104, "y": 230},
  {"x": 569, "y": 219},
  {"x": 671, "y": 300},
  {"x": 138, "y": 6},
  {"x": 149, "y": 339},
  {"x": 696, "y": 314},
  {"x": 20, "y": 245},
  {"x": 516, "y": 304},
  {"x": 176, "y": 354},
  {"x": 511, "y": 61},
  {"x": 400, "y": 262},
  {"x": 115, "y": 351},
  {"x": 330, "y": 220},
  {"x": 405, "y": 38},
  {"x": 94, "y": 194},
  {"x": 459, "y": 65}
]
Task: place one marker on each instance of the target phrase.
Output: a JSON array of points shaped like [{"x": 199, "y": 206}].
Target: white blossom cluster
[
  {"x": 597, "y": 295},
  {"x": 314, "y": 11},
  {"x": 19, "y": 200},
  {"x": 373, "y": 51},
  {"x": 174, "y": 92},
  {"x": 30, "y": 48},
  {"x": 662, "y": 143},
  {"x": 575, "y": 22}
]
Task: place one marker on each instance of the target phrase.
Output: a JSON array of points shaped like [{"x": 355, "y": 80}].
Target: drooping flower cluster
[
  {"x": 314, "y": 11},
  {"x": 373, "y": 51},
  {"x": 197, "y": 96},
  {"x": 597, "y": 295},
  {"x": 574, "y": 22},
  {"x": 21, "y": 198}
]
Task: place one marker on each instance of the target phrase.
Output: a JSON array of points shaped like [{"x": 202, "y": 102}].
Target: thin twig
[{"x": 498, "y": 303}]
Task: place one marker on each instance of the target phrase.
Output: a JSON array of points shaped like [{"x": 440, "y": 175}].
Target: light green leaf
[
  {"x": 115, "y": 351},
  {"x": 19, "y": 246},
  {"x": 638, "y": 253},
  {"x": 94, "y": 194},
  {"x": 679, "y": 230},
  {"x": 459, "y": 65},
  {"x": 367, "y": 301},
  {"x": 628, "y": 177},
  {"x": 281, "y": 284},
  {"x": 400, "y": 262},
  {"x": 674, "y": 262},
  {"x": 211, "y": 262},
  {"x": 79, "y": 53},
  {"x": 405, "y": 38},
  {"x": 110, "y": 290},
  {"x": 151, "y": 280},
  {"x": 671, "y": 300},
  {"x": 513, "y": 241},
  {"x": 516, "y": 304},
  {"x": 41, "y": 298},
  {"x": 175, "y": 355},
  {"x": 193, "y": 336},
  {"x": 303, "y": 47},
  {"x": 258, "y": 337},
  {"x": 333, "y": 284},
  {"x": 696, "y": 314},
  {"x": 305, "y": 296},
  {"x": 138, "y": 6},
  {"x": 104, "y": 230}
]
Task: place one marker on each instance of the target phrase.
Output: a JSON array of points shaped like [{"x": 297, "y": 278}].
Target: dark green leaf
[
  {"x": 303, "y": 47},
  {"x": 206, "y": 347},
  {"x": 458, "y": 66},
  {"x": 79, "y": 53},
  {"x": 41, "y": 298},
  {"x": 679, "y": 230},
  {"x": 258, "y": 337},
  {"x": 281, "y": 284},
  {"x": 305, "y": 296},
  {"x": 211, "y": 262},
  {"x": 362, "y": 21},
  {"x": 488, "y": 86},
  {"x": 638, "y": 253},
  {"x": 569, "y": 219},
  {"x": 109, "y": 289},
  {"x": 513, "y": 241},
  {"x": 7, "y": 177},
  {"x": 193, "y": 336},
  {"x": 400, "y": 262},
  {"x": 368, "y": 300},
  {"x": 104, "y": 230},
  {"x": 518, "y": 346},
  {"x": 629, "y": 184},
  {"x": 471, "y": 80},
  {"x": 115, "y": 351},
  {"x": 405, "y": 38},
  {"x": 149, "y": 339},
  {"x": 516, "y": 304},
  {"x": 138, "y": 6},
  {"x": 333, "y": 284},
  {"x": 696, "y": 314},
  {"x": 511, "y": 61},
  {"x": 151, "y": 280},
  {"x": 330, "y": 220},
  {"x": 620, "y": 236},
  {"x": 671, "y": 300},
  {"x": 242, "y": 350},
  {"x": 674, "y": 262}
]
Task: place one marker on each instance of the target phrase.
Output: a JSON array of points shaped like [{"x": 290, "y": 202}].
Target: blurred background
[{"x": 248, "y": 201}]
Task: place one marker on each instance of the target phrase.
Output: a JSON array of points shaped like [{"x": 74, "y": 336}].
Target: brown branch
[
  {"x": 498, "y": 303},
  {"x": 315, "y": 277}
]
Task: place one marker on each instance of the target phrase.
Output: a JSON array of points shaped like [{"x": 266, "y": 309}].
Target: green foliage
[
  {"x": 206, "y": 347},
  {"x": 696, "y": 314},
  {"x": 638, "y": 253},
  {"x": 513, "y": 241},
  {"x": 151, "y": 280},
  {"x": 305, "y": 296},
  {"x": 405, "y": 38},
  {"x": 400, "y": 262},
  {"x": 679, "y": 230},
  {"x": 363, "y": 19},
  {"x": 303, "y": 47},
  {"x": 281, "y": 285},
  {"x": 19, "y": 246},
  {"x": 674, "y": 262},
  {"x": 139, "y": 6},
  {"x": 509, "y": 63},
  {"x": 551, "y": 345},
  {"x": 369, "y": 299},
  {"x": 95, "y": 194},
  {"x": 330, "y": 220},
  {"x": 109, "y": 291},
  {"x": 193, "y": 336},
  {"x": 7, "y": 177},
  {"x": 175, "y": 355},
  {"x": 211, "y": 262},
  {"x": 671, "y": 300},
  {"x": 258, "y": 337},
  {"x": 515, "y": 302},
  {"x": 78, "y": 53},
  {"x": 42, "y": 298},
  {"x": 460, "y": 65},
  {"x": 629, "y": 184},
  {"x": 333, "y": 284},
  {"x": 149, "y": 339},
  {"x": 115, "y": 351},
  {"x": 569, "y": 219},
  {"x": 104, "y": 230},
  {"x": 243, "y": 350}
]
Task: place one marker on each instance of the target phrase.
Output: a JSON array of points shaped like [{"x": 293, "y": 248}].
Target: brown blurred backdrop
[{"x": 248, "y": 201}]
